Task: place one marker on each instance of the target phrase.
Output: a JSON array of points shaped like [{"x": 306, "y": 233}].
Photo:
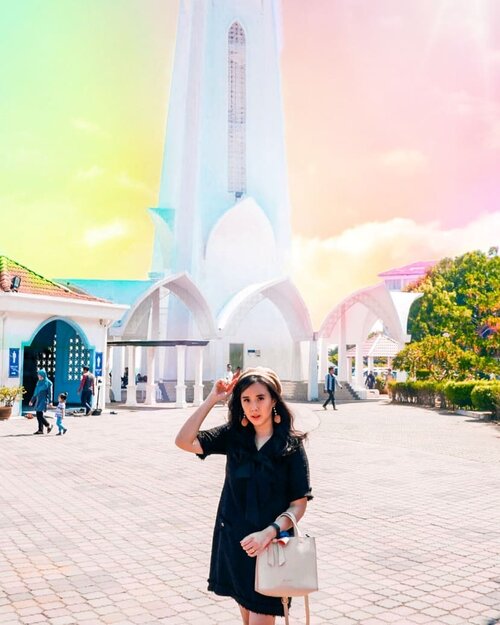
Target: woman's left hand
[{"x": 255, "y": 543}]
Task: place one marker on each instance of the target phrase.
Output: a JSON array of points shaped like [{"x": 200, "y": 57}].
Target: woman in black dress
[{"x": 266, "y": 474}]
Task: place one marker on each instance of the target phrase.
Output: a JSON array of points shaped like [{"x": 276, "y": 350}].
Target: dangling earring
[
  {"x": 276, "y": 416},
  {"x": 244, "y": 422}
]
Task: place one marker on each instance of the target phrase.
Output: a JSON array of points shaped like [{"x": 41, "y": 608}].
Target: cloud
[
  {"x": 86, "y": 126},
  {"x": 23, "y": 156},
  {"x": 405, "y": 162},
  {"x": 127, "y": 182},
  {"x": 327, "y": 270},
  {"x": 89, "y": 174},
  {"x": 103, "y": 234}
]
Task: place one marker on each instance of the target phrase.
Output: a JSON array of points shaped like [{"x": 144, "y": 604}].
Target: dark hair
[
  {"x": 86, "y": 369},
  {"x": 287, "y": 436},
  {"x": 63, "y": 396}
]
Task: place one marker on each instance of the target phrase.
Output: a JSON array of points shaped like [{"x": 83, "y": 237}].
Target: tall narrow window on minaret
[{"x": 237, "y": 111}]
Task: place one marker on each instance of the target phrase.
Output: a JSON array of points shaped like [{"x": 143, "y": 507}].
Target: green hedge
[
  {"x": 459, "y": 393},
  {"x": 486, "y": 396},
  {"x": 477, "y": 394},
  {"x": 421, "y": 392}
]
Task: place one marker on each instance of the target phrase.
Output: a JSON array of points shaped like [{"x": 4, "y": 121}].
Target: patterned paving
[{"x": 112, "y": 524}]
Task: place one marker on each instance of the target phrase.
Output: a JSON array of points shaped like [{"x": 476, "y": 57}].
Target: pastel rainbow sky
[{"x": 392, "y": 113}]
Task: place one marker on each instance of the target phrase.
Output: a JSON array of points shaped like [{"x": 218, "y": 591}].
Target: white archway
[
  {"x": 350, "y": 321},
  {"x": 283, "y": 294},
  {"x": 143, "y": 325},
  {"x": 182, "y": 286}
]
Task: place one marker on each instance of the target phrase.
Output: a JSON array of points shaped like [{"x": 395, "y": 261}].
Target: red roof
[
  {"x": 416, "y": 270},
  {"x": 34, "y": 284}
]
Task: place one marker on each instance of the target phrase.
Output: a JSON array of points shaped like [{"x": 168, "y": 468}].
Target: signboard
[
  {"x": 13, "y": 362},
  {"x": 98, "y": 365}
]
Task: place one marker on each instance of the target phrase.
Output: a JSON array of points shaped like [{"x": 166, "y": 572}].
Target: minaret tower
[{"x": 223, "y": 213}]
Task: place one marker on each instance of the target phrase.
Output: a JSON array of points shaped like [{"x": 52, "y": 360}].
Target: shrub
[
  {"x": 380, "y": 385},
  {"x": 422, "y": 392},
  {"x": 423, "y": 374},
  {"x": 10, "y": 394},
  {"x": 486, "y": 396},
  {"x": 459, "y": 393}
]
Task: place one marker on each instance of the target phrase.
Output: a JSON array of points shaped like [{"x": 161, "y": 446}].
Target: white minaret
[{"x": 223, "y": 213}]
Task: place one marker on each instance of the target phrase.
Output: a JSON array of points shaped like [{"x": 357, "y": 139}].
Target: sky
[{"x": 392, "y": 117}]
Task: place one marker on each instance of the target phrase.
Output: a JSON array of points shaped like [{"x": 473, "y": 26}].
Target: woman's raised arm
[{"x": 187, "y": 439}]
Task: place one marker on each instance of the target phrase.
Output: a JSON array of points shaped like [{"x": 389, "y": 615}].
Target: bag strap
[
  {"x": 284, "y": 600},
  {"x": 292, "y": 518}
]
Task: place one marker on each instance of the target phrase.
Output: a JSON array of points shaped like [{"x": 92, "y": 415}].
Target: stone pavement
[{"x": 112, "y": 524}]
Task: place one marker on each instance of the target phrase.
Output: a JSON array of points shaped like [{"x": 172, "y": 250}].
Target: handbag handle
[{"x": 292, "y": 518}]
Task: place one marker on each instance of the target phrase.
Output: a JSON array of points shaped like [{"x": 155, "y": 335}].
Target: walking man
[
  {"x": 330, "y": 383},
  {"x": 86, "y": 390}
]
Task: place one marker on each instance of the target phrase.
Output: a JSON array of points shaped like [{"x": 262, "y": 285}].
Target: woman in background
[{"x": 42, "y": 397}]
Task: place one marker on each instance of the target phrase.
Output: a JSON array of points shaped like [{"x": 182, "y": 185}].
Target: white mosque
[{"x": 218, "y": 290}]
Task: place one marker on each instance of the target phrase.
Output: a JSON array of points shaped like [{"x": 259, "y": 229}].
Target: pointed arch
[
  {"x": 283, "y": 294},
  {"x": 186, "y": 290},
  {"x": 375, "y": 302}
]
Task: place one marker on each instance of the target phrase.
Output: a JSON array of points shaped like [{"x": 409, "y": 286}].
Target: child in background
[{"x": 61, "y": 413}]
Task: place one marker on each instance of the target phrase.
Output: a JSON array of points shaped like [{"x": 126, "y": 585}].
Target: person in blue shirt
[
  {"x": 330, "y": 383},
  {"x": 42, "y": 397}
]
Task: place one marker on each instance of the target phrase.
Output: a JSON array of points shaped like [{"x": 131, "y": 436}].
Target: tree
[
  {"x": 461, "y": 301},
  {"x": 435, "y": 354}
]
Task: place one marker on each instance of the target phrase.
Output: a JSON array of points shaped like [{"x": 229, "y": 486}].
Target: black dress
[{"x": 259, "y": 486}]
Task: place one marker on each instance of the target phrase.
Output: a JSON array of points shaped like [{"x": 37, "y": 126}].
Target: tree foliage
[
  {"x": 460, "y": 310},
  {"x": 436, "y": 354}
]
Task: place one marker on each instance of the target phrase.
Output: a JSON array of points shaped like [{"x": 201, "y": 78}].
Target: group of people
[{"x": 43, "y": 398}]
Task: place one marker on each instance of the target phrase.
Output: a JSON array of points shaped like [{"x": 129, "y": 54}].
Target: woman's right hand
[{"x": 219, "y": 391}]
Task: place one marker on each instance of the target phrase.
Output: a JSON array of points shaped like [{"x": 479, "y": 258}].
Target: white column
[
  {"x": 349, "y": 369},
  {"x": 150, "y": 372},
  {"x": 323, "y": 360},
  {"x": 371, "y": 362},
  {"x": 180, "y": 387},
  {"x": 116, "y": 372},
  {"x": 296, "y": 362},
  {"x": 131, "y": 387},
  {"x": 312, "y": 382},
  {"x": 221, "y": 357},
  {"x": 143, "y": 360},
  {"x": 359, "y": 364},
  {"x": 198, "y": 376},
  {"x": 106, "y": 374},
  {"x": 342, "y": 346}
]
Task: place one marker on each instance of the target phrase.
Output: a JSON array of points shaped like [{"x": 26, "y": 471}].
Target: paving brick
[{"x": 104, "y": 535}]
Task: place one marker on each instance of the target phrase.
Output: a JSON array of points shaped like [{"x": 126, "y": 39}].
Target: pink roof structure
[
  {"x": 415, "y": 270},
  {"x": 377, "y": 346}
]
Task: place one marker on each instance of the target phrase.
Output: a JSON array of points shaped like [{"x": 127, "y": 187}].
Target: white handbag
[{"x": 288, "y": 568}]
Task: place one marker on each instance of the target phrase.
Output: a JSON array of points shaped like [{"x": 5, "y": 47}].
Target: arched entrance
[{"x": 62, "y": 349}]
